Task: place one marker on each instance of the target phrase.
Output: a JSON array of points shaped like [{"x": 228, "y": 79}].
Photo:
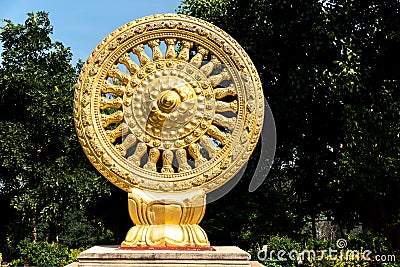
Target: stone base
[{"x": 105, "y": 256}]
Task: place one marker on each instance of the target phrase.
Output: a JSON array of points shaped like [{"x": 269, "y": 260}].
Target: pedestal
[
  {"x": 107, "y": 256},
  {"x": 166, "y": 219}
]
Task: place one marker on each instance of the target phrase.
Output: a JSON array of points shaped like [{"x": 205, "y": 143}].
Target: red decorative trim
[{"x": 169, "y": 248}]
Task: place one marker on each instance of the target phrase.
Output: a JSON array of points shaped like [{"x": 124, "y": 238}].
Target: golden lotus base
[
  {"x": 185, "y": 235},
  {"x": 166, "y": 219}
]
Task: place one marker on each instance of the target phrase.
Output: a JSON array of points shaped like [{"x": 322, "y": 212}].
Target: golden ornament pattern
[{"x": 168, "y": 103}]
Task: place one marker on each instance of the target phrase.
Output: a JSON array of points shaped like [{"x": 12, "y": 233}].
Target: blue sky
[{"x": 81, "y": 25}]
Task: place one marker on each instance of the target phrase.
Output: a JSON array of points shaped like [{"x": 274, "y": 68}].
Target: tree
[
  {"x": 366, "y": 81},
  {"x": 326, "y": 73},
  {"x": 44, "y": 177}
]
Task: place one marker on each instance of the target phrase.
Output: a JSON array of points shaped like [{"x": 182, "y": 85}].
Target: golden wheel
[{"x": 168, "y": 103}]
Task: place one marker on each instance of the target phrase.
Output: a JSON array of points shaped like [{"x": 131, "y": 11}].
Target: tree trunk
[
  {"x": 34, "y": 227},
  {"x": 313, "y": 226}
]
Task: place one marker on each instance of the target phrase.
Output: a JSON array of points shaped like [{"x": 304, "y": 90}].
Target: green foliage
[
  {"x": 44, "y": 176},
  {"x": 368, "y": 240},
  {"x": 276, "y": 243},
  {"x": 80, "y": 232},
  {"x": 363, "y": 241},
  {"x": 322, "y": 253},
  {"x": 44, "y": 254},
  {"x": 327, "y": 69},
  {"x": 319, "y": 244},
  {"x": 72, "y": 255},
  {"x": 16, "y": 263}
]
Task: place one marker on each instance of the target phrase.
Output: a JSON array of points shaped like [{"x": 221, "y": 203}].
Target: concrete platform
[
  {"x": 107, "y": 256},
  {"x": 252, "y": 264}
]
